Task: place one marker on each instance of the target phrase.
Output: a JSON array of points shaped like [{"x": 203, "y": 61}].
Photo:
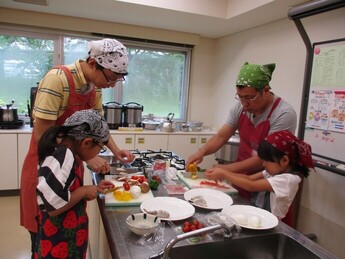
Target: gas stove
[{"x": 147, "y": 158}]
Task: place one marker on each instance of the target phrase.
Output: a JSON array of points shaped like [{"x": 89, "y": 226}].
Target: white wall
[
  {"x": 322, "y": 207},
  {"x": 215, "y": 65}
]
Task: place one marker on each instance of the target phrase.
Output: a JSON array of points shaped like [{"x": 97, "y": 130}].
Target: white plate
[
  {"x": 177, "y": 208},
  {"x": 215, "y": 199},
  {"x": 268, "y": 220}
]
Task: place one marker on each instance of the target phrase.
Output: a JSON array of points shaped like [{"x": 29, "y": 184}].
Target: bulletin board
[{"x": 325, "y": 115}]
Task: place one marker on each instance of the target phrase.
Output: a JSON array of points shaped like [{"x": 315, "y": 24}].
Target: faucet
[{"x": 165, "y": 253}]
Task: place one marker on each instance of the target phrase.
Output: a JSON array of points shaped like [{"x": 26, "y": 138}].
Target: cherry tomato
[
  {"x": 195, "y": 222},
  {"x": 186, "y": 229},
  {"x": 193, "y": 227},
  {"x": 186, "y": 224},
  {"x": 126, "y": 186},
  {"x": 200, "y": 225},
  {"x": 156, "y": 178}
]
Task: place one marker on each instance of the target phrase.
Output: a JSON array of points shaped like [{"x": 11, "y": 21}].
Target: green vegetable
[{"x": 153, "y": 184}]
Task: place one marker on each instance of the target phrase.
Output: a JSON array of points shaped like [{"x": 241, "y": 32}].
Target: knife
[
  {"x": 112, "y": 189},
  {"x": 200, "y": 174}
]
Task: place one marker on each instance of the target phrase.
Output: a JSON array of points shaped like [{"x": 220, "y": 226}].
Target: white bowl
[{"x": 142, "y": 223}]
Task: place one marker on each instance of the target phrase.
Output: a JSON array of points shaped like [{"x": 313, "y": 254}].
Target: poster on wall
[
  {"x": 337, "y": 118},
  {"x": 326, "y": 106},
  {"x": 325, "y": 109}
]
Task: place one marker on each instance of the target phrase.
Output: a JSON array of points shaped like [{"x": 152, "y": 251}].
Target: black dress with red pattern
[{"x": 64, "y": 235}]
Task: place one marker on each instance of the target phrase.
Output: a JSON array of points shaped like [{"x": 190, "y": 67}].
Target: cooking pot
[
  {"x": 113, "y": 114},
  {"x": 150, "y": 124},
  {"x": 168, "y": 125},
  {"x": 132, "y": 114},
  {"x": 8, "y": 113},
  {"x": 229, "y": 151}
]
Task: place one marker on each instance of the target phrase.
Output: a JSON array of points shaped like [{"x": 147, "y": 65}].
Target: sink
[{"x": 276, "y": 245}]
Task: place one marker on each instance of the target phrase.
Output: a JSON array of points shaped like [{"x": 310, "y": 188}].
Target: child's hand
[
  {"x": 215, "y": 173},
  {"x": 105, "y": 184},
  {"x": 91, "y": 192}
]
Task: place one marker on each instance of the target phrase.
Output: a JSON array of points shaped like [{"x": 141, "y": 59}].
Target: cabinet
[
  {"x": 186, "y": 145},
  {"x": 124, "y": 141},
  {"x": 151, "y": 141},
  {"x": 23, "y": 148},
  {"x": 8, "y": 160}
]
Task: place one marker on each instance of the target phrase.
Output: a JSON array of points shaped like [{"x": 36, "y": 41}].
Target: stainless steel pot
[
  {"x": 150, "y": 124},
  {"x": 228, "y": 153},
  {"x": 113, "y": 114},
  {"x": 8, "y": 113}
]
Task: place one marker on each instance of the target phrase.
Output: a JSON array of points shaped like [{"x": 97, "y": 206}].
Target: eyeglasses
[
  {"x": 246, "y": 98},
  {"x": 103, "y": 148},
  {"x": 112, "y": 81}
]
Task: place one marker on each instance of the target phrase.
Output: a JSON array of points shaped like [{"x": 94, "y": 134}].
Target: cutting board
[
  {"x": 111, "y": 201},
  {"x": 195, "y": 183}
]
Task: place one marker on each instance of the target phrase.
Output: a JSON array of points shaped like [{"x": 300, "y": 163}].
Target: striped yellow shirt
[{"x": 53, "y": 92}]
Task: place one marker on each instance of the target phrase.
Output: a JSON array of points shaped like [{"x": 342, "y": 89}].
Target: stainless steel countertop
[{"x": 125, "y": 244}]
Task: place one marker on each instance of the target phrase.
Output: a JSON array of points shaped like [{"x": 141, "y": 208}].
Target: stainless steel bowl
[{"x": 195, "y": 125}]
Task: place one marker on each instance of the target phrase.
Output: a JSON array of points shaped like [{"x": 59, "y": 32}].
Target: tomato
[
  {"x": 126, "y": 186},
  {"x": 156, "y": 178},
  {"x": 192, "y": 225},
  {"x": 186, "y": 224},
  {"x": 200, "y": 225},
  {"x": 195, "y": 222},
  {"x": 186, "y": 229}
]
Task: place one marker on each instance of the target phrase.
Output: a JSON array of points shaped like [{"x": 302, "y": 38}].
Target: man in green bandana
[{"x": 257, "y": 113}]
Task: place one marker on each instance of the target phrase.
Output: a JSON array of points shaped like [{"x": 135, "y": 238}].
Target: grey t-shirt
[{"x": 282, "y": 118}]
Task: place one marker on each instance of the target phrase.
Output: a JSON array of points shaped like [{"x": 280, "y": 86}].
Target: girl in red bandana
[{"x": 286, "y": 159}]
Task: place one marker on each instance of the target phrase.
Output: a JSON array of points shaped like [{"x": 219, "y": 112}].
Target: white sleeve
[{"x": 285, "y": 187}]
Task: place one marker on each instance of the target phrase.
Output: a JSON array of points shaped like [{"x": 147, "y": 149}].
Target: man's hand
[
  {"x": 124, "y": 156},
  {"x": 98, "y": 165}
]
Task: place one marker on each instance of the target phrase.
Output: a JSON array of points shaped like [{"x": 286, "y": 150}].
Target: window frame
[{"x": 58, "y": 56}]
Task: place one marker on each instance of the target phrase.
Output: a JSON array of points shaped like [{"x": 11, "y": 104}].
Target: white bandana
[{"x": 110, "y": 54}]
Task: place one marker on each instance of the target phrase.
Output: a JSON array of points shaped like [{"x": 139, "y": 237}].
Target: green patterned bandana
[{"x": 257, "y": 76}]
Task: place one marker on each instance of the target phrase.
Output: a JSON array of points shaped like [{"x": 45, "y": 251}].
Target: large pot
[
  {"x": 113, "y": 114},
  {"x": 150, "y": 124},
  {"x": 228, "y": 153},
  {"x": 8, "y": 113},
  {"x": 132, "y": 114}
]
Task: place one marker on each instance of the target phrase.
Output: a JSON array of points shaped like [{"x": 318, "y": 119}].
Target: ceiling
[{"x": 211, "y": 19}]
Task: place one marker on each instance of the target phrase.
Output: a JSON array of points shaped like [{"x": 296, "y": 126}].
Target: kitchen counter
[
  {"x": 26, "y": 129},
  {"x": 126, "y": 245}
]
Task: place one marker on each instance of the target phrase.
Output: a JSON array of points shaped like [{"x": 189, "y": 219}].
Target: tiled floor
[{"x": 14, "y": 239}]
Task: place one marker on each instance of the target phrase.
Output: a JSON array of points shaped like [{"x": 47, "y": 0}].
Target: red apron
[
  {"x": 61, "y": 235},
  {"x": 250, "y": 137},
  {"x": 29, "y": 178}
]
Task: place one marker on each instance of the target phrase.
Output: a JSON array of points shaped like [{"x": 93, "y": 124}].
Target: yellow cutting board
[
  {"x": 111, "y": 201},
  {"x": 195, "y": 183}
]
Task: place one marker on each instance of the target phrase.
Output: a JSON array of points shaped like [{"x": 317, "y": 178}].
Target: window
[
  {"x": 24, "y": 59},
  {"x": 158, "y": 73}
]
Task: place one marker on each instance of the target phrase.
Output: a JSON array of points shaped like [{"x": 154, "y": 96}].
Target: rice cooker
[
  {"x": 113, "y": 114},
  {"x": 132, "y": 114}
]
